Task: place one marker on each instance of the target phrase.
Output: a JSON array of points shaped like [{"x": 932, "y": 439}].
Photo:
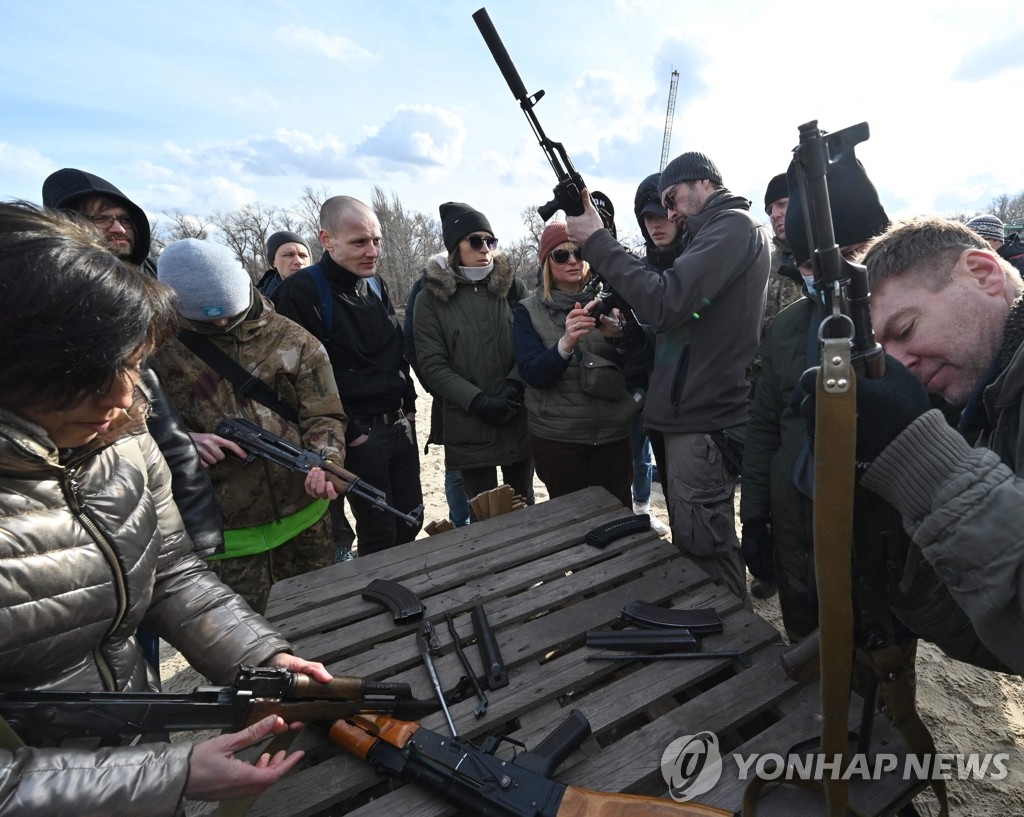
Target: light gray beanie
[{"x": 209, "y": 280}]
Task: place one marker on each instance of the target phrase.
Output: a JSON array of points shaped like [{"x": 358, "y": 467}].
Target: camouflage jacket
[{"x": 294, "y": 364}]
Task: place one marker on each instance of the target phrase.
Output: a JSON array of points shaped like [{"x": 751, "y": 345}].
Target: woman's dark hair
[{"x": 72, "y": 315}]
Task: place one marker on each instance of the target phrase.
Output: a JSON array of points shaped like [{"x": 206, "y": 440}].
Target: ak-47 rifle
[
  {"x": 259, "y": 442},
  {"x": 844, "y": 284},
  {"x": 48, "y": 716},
  {"x": 850, "y": 525},
  {"x": 568, "y": 193},
  {"x": 477, "y": 781}
]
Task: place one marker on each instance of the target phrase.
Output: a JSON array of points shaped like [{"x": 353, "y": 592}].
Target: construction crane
[{"x": 668, "y": 120}]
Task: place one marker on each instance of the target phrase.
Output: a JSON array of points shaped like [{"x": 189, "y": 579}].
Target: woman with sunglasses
[
  {"x": 91, "y": 542},
  {"x": 462, "y": 327},
  {"x": 578, "y": 405}
]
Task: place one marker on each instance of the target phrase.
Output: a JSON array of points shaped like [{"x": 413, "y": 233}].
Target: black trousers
[{"x": 388, "y": 460}]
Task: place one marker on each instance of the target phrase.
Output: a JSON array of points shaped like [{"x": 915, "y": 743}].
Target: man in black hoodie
[
  {"x": 120, "y": 222},
  {"x": 124, "y": 227}
]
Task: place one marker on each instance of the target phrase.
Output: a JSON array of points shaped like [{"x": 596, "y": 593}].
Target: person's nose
[
  {"x": 117, "y": 228},
  {"x": 121, "y": 392}
]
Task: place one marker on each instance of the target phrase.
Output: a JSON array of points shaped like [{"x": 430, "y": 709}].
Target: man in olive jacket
[{"x": 706, "y": 311}]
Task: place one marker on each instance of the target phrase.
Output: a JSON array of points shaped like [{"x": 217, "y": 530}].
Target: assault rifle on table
[
  {"x": 477, "y": 781},
  {"x": 50, "y": 716},
  {"x": 568, "y": 193},
  {"x": 258, "y": 442}
]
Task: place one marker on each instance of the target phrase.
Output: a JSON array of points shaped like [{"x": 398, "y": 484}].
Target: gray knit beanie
[
  {"x": 988, "y": 227},
  {"x": 688, "y": 167},
  {"x": 209, "y": 280}
]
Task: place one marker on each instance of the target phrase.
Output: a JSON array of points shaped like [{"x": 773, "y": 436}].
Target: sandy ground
[{"x": 967, "y": 709}]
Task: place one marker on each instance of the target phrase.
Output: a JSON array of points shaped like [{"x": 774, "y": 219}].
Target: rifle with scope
[{"x": 568, "y": 193}]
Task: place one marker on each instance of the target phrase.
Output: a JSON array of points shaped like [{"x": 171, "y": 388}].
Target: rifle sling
[
  {"x": 246, "y": 383},
  {"x": 835, "y": 439},
  {"x": 834, "y": 482}
]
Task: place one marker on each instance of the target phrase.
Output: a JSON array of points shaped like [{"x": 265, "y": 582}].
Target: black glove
[
  {"x": 758, "y": 550},
  {"x": 495, "y": 411},
  {"x": 885, "y": 407},
  {"x": 513, "y": 392}
]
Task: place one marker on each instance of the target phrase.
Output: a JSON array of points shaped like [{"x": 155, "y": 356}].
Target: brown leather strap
[{"x": 834, "y": 481}]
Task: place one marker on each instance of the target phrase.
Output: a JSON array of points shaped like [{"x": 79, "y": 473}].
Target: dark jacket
[
  {"x": 706, "y": 311},
  {"x": 436, "y": 434},
  {"x": 364, "y": 343},
  {"x": 1013, "y": 251},
  {"x": 269, "y": 283},
  {"x": 464, "y": 346},
  {"x": 190, "y": 483}
]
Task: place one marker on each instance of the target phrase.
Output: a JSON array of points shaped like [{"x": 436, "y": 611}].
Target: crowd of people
[{"x": 128, "y": 518}]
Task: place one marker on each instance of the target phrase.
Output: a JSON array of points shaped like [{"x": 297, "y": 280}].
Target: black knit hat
[
  {"x": 688, "y": 167},
  {"x": 857, "y": 213},
  {"x": 778, "y": 188},
  {"x": 459, "y": 220},
  {"x": 278, "y": 239},
  {"x": 64, "y": 188}
]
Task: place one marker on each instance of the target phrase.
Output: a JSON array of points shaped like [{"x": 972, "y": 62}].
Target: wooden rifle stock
[{"x": 476, "y": 780}]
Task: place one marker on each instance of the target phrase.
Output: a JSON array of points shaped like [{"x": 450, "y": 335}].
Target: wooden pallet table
[{"x": 543, "y": 588}]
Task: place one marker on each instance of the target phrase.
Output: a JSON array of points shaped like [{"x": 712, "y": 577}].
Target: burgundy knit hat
[{"x": 554, "y": 234}]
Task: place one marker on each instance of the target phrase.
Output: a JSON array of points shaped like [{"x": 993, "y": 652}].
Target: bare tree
[
  {"x": 307, "y": 211},
  {"x": 1010, "y": 209},
  {"x": 409, "y": 239},
  {"x": 179, "y": 226},
  {"x": 246, "y": 231}
]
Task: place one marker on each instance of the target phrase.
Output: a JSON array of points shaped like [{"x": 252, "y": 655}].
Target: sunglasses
[
  {"x": 477, "y": 242},
  {"x": 562, "y": 256}
]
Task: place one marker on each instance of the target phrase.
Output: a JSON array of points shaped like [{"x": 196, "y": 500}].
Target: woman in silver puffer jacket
[{"x": 91, "y": 543}]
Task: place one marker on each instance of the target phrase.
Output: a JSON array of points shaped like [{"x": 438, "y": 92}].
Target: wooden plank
[
  {"x": 543, "y": 589},
  {"x": 303, "y": 592}
]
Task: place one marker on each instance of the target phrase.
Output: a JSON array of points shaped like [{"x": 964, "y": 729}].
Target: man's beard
[{"x": 122, "y": 251}]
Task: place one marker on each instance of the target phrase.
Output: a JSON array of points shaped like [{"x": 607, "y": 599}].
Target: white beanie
[{"x": 209, "y": 280}]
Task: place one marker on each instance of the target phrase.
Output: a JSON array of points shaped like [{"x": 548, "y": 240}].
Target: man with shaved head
[{"x": 343, "y": 302}]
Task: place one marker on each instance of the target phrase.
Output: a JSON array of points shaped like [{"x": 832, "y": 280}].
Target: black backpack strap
[
  {"x": 324, "y": 298},
  {"x": 246, "y": 383}
]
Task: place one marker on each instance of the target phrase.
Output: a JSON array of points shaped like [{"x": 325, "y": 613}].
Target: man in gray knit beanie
[
  {"x": 276, "y": 522},
  {"x": 706, "y": 311}
]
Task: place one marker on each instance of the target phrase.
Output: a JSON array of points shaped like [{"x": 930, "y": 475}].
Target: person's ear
[{"x": 984, "y": 267}]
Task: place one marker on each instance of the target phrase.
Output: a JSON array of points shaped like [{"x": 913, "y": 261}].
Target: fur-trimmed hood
[{"x": 442, "y": 283}]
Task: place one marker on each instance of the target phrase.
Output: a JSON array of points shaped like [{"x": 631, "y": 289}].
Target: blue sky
[{"x": 203, "y": 106}]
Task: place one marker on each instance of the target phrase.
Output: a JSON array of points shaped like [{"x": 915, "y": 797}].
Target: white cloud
[
  {"x": 23, "y": 168},
  {"x": 420, "y": 135},
  {"x": 334, "y": 47}
]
